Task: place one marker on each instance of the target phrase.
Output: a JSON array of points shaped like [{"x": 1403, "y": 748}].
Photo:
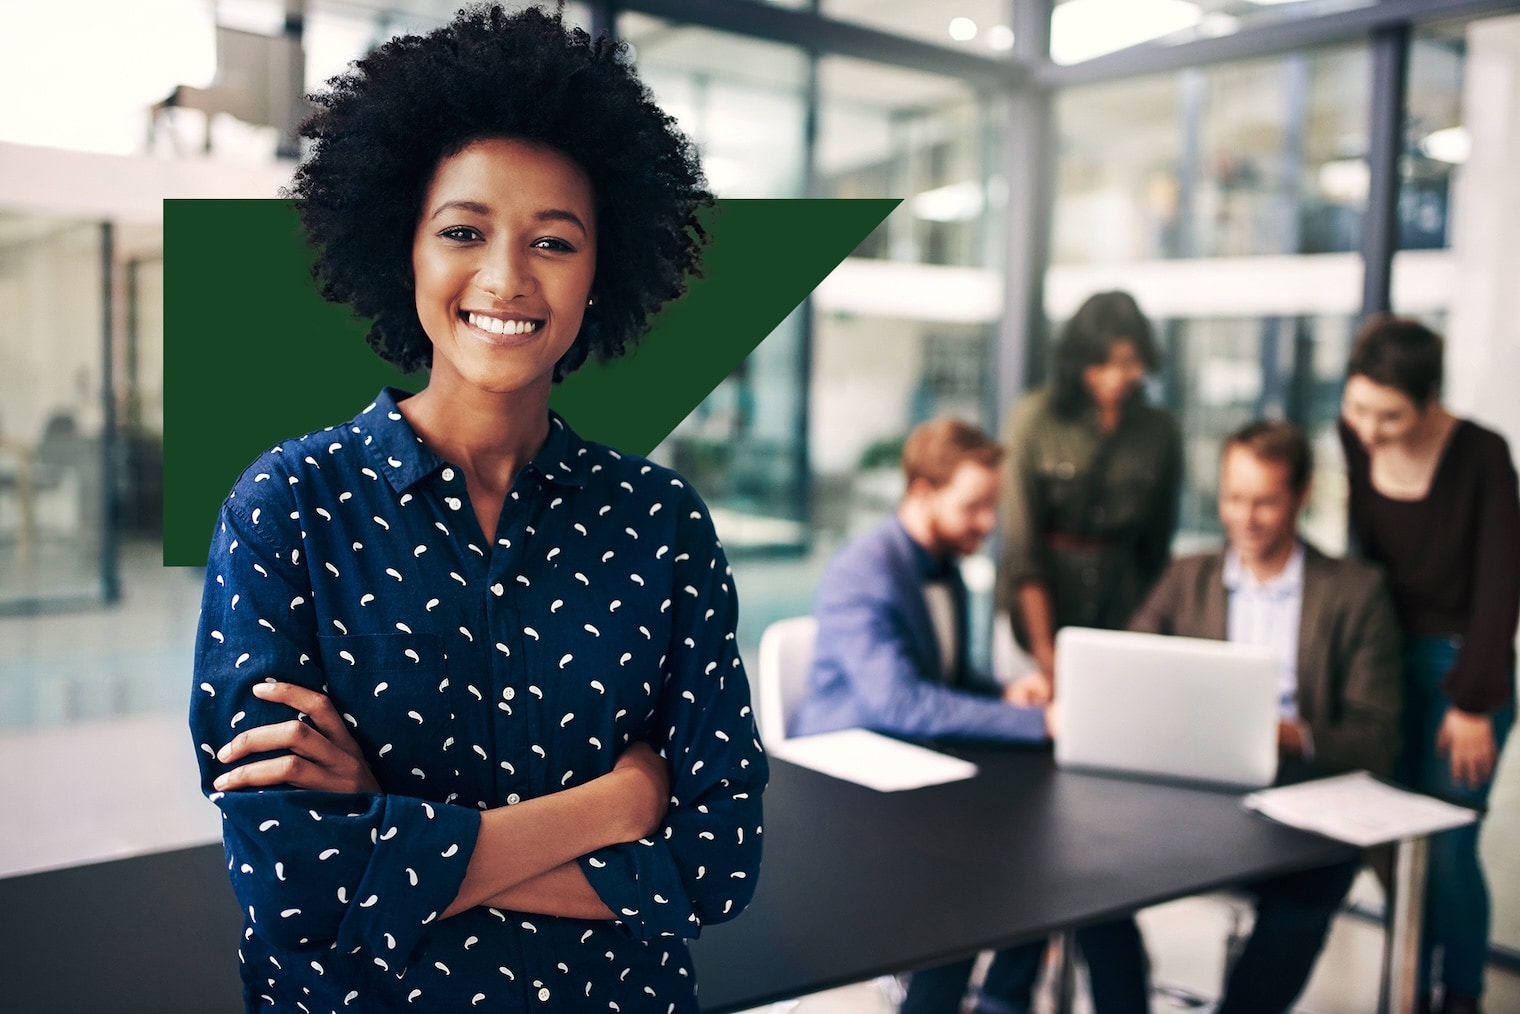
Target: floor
[{"x": 96, "y": 763}]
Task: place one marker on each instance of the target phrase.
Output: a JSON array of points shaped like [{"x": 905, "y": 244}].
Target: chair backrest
[{"x": 786, "y": 657}]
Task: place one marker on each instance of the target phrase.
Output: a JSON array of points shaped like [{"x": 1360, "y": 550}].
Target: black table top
[{"x": 857, "y": 883}]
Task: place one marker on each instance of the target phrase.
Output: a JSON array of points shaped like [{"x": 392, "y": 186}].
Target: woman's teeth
[{"x": 496, "y": 325}]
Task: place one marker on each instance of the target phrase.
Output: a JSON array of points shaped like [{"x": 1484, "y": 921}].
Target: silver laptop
[{"x": 1169, "y": 707}]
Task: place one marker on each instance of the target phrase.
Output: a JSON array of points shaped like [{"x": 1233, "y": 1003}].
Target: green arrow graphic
[{"x": 253, "y": 355}]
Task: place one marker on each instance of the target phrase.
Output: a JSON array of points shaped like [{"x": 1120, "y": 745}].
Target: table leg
[
  {"x": 1066, "y": 973},
  {"x": 1401, "y": 958}
]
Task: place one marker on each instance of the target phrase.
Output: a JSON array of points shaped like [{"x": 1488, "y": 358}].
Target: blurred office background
[{"x": 1259, "y": 173}]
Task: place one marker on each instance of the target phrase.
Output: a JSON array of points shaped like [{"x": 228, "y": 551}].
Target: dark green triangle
[{"x": 253, "y": 355}]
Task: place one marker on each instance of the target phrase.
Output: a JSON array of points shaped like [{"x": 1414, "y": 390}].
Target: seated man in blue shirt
[
  {"x": 1338, "y": 645},
  {"x": 891, "y": 656}
]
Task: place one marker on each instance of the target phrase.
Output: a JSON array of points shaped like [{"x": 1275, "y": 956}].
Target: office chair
[
  {"x": 786, "y": 659},
  {"x": 786, "y": 656}
]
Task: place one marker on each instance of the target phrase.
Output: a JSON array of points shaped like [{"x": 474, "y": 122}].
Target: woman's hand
[
  {"x": 322, "y": 756},
  {"x": 645, "y": 779},
  {"x": 1030, "y": 690},
  {"x": 1469, "y": 740}
]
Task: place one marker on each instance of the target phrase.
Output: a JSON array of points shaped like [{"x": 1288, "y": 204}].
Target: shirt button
[
  {"x": 448, "y": 475},
  {"x": 509, "y": 693},
  {"x": 513, "y": 799},
  {"x": 543, "y": 994}
]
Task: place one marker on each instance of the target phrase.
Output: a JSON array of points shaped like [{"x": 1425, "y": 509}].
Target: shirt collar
[
  {"x": 404, "y": 459},
  {"x": 1290, "y": 581},
  {"x": 930, "y": 567}
]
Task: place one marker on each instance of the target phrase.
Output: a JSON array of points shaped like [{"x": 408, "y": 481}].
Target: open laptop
[{"x": 1169, "y": 707}]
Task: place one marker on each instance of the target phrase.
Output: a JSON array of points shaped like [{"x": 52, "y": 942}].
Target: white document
[
  {"x": 1358, "y": 809},
  {"x": 875, "y": 761}
]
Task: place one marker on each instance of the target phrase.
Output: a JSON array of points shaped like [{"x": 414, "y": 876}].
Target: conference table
[{"x": 857, "y": 883}]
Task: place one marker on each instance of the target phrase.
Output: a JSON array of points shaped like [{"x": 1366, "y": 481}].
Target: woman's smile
[{"x": 492, "y": 328}]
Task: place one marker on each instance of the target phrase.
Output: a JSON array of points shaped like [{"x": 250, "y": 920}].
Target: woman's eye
[
  {"x": 550, "y": 243},
  {"x": 461, "y": 233}
]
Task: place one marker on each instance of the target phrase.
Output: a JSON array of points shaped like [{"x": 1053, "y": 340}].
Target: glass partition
[
  {"x": 904, "y": 326},
  {"x": 1229, "y": 201},
  {"x": 743, "y": 102},
  {"x": 53, "y": 522}
]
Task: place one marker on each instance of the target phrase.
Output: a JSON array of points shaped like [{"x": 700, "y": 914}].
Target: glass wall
[
  {"x": 1229, "y": 201},
  {"x": 904, "y": 326},
  {"x": 744, "y": 103},
  {"x": 53, "y": 545}
]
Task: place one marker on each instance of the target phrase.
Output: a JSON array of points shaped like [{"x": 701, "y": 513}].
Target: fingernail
[
  {"x": 222, "y": 754},
  {"x": 262, "y": 688},
  {"x": 220, "y": 782}
]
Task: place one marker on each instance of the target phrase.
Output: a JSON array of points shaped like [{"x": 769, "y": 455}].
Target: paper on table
[
  {"x": 873, "y": 760},
  {"x": 1357, "y": 809}
]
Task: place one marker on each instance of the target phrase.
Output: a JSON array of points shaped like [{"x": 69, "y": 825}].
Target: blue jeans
[
  {"x": 1456, "y": 894},
  {"x": 1293, "y": 915}
]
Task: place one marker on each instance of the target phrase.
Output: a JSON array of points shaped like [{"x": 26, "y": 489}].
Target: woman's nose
[{"x": 505, "y": 274}]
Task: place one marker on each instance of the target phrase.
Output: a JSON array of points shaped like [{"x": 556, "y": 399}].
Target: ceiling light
[
  {"x": 957, "y": 202},
  {"x": 1216, "y": 24},
  {"x": 1454, "y": 145},
  {"x": 1000, "y": 38},
  {"x": 962, "y": 29},
  {"x": 1083, "y": 29}
]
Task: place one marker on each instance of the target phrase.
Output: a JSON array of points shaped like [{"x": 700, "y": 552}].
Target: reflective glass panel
[
  {"x": 52, "y": 412},
  {"x": 742, "y": 102},
  {"x": 1229, "y": 201}
]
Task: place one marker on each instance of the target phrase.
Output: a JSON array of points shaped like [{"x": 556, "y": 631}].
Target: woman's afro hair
[{"x": 381, "y": 128}]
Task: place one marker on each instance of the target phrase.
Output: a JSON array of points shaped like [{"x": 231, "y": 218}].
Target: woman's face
[
  {"x": 1380, "y": 416},
  {"x": 1111, "y": 382},
  {"x": 503, "y": 260}
]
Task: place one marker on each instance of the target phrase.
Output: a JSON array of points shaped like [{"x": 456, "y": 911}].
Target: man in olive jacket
[{"x": 1340, "y": 678}]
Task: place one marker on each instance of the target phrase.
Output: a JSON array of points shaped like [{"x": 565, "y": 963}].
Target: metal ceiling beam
[
  {"x": 823, "y": 35},
  {"x": 1271, "y": 39}
]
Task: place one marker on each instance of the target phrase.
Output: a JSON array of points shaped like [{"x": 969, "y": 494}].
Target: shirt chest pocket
[{"x": 396, "y": 696}]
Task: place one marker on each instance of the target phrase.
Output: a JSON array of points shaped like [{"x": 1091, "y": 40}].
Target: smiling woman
[
  {"x": 503, "y": 755},
  {"x": 502, "y": 264}
]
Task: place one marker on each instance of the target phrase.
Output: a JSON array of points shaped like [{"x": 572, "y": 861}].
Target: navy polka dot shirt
[{"x": 474, "y": 673}]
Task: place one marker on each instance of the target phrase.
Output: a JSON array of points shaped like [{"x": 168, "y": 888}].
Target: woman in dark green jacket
[{"x": 1093, "y": 478}]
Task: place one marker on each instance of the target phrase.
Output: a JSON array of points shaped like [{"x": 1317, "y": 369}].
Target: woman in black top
[{"x": 1434, "y": 501}]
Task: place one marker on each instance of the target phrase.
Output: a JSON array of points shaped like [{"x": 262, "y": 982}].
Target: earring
[{"x": 591, "y": 301}]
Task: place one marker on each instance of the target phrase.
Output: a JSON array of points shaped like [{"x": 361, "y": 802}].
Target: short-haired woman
[
  {"x": 467, "y": 690},
  {"x": 1434, "y": 500}
]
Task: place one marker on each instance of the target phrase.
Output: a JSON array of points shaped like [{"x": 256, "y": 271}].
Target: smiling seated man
[
  {"x": 1338, "y": 644},
  {"x": 891, "y": 657}
]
